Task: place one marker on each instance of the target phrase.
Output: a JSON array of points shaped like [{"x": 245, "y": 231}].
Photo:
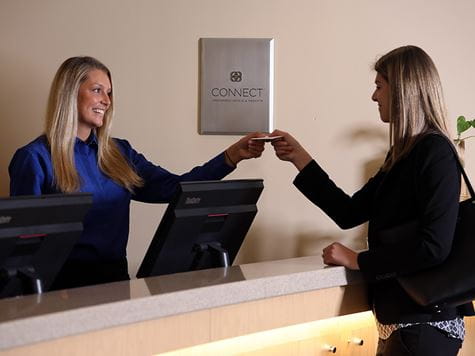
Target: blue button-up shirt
[{"x": 106, "y": 225}]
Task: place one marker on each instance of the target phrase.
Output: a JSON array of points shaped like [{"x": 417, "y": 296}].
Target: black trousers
[
  {"x": 79, "y": 273},
  {"x": 419, "y": 340}
]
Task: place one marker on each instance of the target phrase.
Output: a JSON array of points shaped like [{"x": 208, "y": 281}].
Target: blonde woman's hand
[
  {"x": 245, "y": 148},
  {"x": 340, "y": 255},
  {"x": 289, "y": 149}
]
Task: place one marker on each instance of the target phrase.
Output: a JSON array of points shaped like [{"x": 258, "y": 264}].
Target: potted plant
[{"x": 463, "y": 125}]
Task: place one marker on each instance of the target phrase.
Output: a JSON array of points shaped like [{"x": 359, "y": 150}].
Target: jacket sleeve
[
  {"x": 347, "y": 211},
  {"x": 160, "y": 185},
  {"x": 426, "y": 241}
]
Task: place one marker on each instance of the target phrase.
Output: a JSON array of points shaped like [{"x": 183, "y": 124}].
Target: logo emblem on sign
[{"x": 236, "y": 76}]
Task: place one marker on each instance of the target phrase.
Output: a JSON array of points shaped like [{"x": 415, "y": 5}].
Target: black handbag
[{"x": 451, "y": 283}]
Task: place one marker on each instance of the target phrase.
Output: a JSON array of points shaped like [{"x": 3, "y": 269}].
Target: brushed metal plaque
[{"x": 236, "y": 85}]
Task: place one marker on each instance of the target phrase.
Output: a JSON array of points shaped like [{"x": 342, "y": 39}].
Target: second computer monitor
[
  {"x": 203, "y": 227},
  {"x": 37, "y": 233}
]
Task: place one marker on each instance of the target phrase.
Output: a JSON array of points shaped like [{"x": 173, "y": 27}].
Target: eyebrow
[{"x": 102, "y": 86}]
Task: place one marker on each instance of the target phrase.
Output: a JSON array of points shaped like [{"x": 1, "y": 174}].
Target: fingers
[
  {"x": 286, "y": 148},
  {"x": 282, "y": 145},
  {"x": 286, "y": 141},
  {"x": 327, "y": 255},
  {"x": 332, "y": 254},
  {"x": 338, "y": 254},
  {"x": 246, "y": 148},
  {"x": 255, "y": 147},
  {"x": 277, "y": 132},
  {"x": 284, "y": 153}
]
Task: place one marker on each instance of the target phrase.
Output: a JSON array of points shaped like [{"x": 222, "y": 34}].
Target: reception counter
[
  {"x": 201, "y": 301},
  {"x": 175, "y": 312}
]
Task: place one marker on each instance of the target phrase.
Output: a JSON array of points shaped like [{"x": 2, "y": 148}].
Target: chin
[
  {"x": 98, "y": 124},
  {"x": 384, "y": 119}
]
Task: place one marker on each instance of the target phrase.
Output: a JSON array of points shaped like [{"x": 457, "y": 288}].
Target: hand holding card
[{"x": 267, "y": 138}]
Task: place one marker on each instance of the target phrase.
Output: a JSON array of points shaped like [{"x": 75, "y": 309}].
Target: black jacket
[{"x": 423, "y": 186}]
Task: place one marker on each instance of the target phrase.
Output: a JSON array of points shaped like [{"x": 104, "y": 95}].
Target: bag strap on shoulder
[{"x": 462, "y": 170}]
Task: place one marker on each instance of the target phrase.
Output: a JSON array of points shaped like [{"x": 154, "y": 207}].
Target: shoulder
[
  {"x": 433, "y": 140},
  {"x": 434, "y": 157},
  {"x": 124, "y": 146},
  {"x": 33, "y": 157},
  {"x": 127, "y": 150},
  {"x": 433, "y": 147},
  {"x": 37, "y": 147},
  {"x": 122, "y": 142}
]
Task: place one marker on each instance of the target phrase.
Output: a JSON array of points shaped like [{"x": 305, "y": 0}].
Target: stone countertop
[{"x": 34, "y": 318}]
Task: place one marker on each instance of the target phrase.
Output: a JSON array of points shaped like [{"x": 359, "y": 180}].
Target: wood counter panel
[{"x": 195, "y": 328}]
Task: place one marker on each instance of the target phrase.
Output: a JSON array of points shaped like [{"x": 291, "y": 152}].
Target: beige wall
[{"x": 323, "y": 82}]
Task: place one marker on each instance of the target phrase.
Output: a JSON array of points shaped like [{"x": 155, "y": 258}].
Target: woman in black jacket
[{"x": 419, "y": 184}]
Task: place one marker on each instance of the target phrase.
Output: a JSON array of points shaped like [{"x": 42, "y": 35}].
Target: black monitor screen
[
  {"x": 37, "y": 233},
  {"x": 203, "y": 226}
]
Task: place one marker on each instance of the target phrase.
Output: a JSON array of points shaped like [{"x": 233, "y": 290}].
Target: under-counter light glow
[{"x": 279, "y": 336}]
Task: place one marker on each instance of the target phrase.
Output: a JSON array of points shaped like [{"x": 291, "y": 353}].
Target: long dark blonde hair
[
  {"x": 416, "y": 104},
  {"x": 62, "y": 124}
]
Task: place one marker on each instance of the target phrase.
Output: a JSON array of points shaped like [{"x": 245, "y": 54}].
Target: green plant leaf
[{"x": 463, "y": 125}]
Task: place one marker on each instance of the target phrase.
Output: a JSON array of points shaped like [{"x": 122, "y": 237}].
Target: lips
[{"x": 99, "y": 111}]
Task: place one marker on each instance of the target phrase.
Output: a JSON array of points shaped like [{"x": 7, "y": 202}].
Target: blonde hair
[
  {"x": 416, "y": 104},
  {"x": 62, "y": 125}
]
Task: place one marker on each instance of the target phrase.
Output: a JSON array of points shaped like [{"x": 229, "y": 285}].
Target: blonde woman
[
  {"x": 78, "y": 154},
  {"x": 419, "y": 181}
]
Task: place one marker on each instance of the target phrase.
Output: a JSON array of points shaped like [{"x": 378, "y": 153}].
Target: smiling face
[
  {"x": 94, "y": 99},
  {"x": 381, "y": 96}
]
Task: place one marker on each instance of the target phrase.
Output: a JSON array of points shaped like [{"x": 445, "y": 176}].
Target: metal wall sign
[{"x": 236, "y": 85}]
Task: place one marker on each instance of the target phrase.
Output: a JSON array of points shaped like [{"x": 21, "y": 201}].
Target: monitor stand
[
  {"x": 27, "y": 277},
  {"x": 213, "y": 248},
  {"x": 31, "y": 279}
]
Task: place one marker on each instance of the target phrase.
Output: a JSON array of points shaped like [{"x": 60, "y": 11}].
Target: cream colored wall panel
[{"x": 323, "y": 82}]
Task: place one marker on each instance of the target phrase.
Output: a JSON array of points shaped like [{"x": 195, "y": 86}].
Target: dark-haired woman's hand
[
  {"x": 340, "y": 255},
  {"x": 289, "y": 149}
]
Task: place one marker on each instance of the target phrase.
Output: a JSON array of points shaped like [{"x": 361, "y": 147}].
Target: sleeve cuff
[
  {"x": 310, "y": 175},
  {"x": 364, "y": 263}
]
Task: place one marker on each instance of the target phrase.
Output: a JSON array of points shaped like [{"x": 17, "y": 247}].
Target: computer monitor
[
  {"x": 203, "y": 226},
  {"x": 37, "y": 233}
]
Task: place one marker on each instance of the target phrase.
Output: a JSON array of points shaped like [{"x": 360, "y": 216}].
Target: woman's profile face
[
  {"x": 381, "y": 96},
  {"x": 93, "y": 102}
]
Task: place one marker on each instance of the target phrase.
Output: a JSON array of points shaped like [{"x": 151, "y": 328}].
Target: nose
[
  {"x": 374, "y": 97},
  {"x": 106, "y": 100}
]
